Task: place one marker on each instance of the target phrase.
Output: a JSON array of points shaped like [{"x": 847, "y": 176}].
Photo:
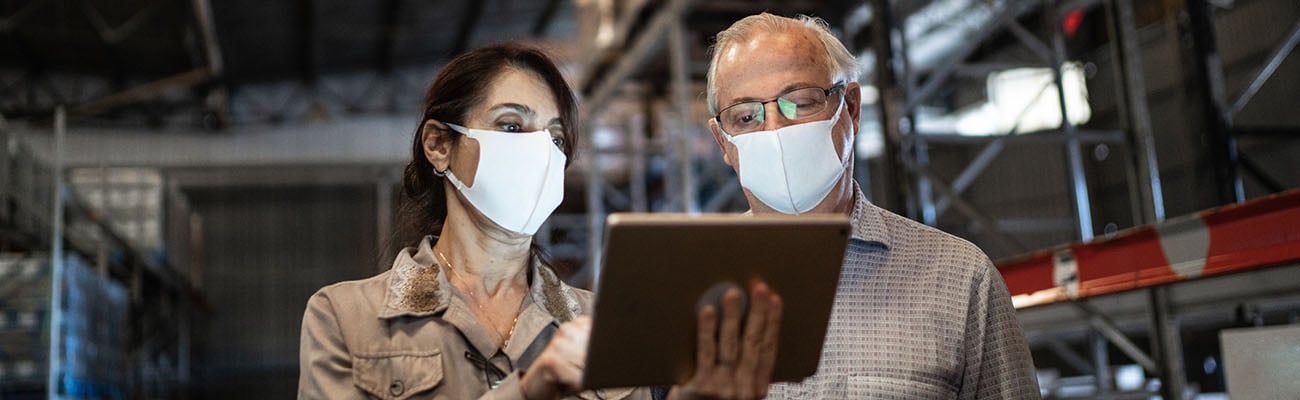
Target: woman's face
[{"x": 518, "y": 101}]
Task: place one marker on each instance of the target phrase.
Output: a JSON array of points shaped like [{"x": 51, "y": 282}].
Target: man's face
[{"x": 767, "y": 65}]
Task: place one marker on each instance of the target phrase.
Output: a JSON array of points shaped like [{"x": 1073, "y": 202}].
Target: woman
[{"x": 473, "y": 310}]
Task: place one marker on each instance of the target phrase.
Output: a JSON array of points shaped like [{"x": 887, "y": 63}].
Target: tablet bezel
[{"x": 656, "y": 265}]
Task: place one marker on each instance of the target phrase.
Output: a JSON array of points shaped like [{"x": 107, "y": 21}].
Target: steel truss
[
  {"x": 1231, "y": 166},
  {"x": 926, "y": 196}
]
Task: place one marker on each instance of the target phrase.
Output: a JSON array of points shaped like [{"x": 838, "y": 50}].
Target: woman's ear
[{"x": 437, "y": 143}]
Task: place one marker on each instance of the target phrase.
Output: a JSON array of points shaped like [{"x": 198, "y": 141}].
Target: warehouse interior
[{"x": 178, "y": 177}]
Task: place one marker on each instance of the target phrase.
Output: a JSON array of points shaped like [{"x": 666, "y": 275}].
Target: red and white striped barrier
[{"x": 1256, "y": 234}]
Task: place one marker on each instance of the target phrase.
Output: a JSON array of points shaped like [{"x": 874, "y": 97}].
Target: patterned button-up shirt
[{"x": 919, "y": 314}]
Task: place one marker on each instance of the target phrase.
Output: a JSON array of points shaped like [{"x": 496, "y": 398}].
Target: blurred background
[{"x": 177, "y": 177}]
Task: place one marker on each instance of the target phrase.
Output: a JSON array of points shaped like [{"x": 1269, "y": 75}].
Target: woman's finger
[{"x": 568, "y": 376}]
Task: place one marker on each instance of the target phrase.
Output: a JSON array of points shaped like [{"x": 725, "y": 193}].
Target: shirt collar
[
  {"x": 868, "y": 220},
  {"x": 417, "y": 287}
]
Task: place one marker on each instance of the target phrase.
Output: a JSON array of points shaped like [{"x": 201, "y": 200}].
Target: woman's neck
[{"x": 481, "y": 254}]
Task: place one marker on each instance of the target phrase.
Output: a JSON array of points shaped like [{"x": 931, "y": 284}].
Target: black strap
[{"x": 535, "y": 348}]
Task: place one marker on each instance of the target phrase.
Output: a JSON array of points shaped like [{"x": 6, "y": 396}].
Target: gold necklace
[{"x": 479, "y": 304}]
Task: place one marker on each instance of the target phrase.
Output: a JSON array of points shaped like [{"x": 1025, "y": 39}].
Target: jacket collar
[{"x": 417, "y": 287}]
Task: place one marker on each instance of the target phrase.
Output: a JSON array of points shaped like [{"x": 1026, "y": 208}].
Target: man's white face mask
[
  {"x": 790, "y": 169},
  {"x": 519, "y": 180}
]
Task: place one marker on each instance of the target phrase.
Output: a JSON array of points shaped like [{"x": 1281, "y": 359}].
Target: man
[{"x": 919, "y": 314}]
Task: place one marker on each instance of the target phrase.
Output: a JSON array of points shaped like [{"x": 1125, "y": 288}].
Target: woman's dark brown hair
[{"x": 462, "y": 84}]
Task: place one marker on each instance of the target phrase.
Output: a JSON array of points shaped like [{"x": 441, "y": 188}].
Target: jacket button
[{"x": 396, "y": 388}]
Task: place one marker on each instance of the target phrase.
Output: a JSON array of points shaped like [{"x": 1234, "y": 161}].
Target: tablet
[{"x": 656, "y": 267}]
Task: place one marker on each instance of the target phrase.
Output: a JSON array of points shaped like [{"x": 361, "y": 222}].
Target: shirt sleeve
[
  {"x": 997, "y": 362},
  {"x": 325, "y": 367}
]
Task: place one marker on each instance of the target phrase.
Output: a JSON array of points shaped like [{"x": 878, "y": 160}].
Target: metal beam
[
  {"x": 972, "y": 171},
  {"x": 544, "y": 19},
  {"x": 636, "y": 147},
  {"x": 986, "y": 223},
  {"x": 1055, "y": 136},
  {"x": 1166, "y": 340},
  {"x": 146, "y": 91},
  {"x": 1103, "y": 324},
  {"x": 388, "y": 41},
  {"x": 1266, "y": 71},
  {"x": 1209, "y": 77},
  {"x": 891, "y": 107},
  {"x": 723, "y": 196},
  {"x": 1071, "y": 357},
  {"x": 1270, "y": 184},
  {"x": 55, "y": 376},
  {"x": 1030, "y": 41},
  {"x": 1101, "y": 364},
  {"x": 595, "y": 213},
  {"x": 113, "y": 35},
  {"x": 1011, "y": 10},
  {"x": 309, "y": 41},
  {"x": 604, "y": 87},
  {"x": 1134, "y": 112},
  {"x": 468, "y": 22},
  {"x": 217, "y": 99},
  {"x": 1074, "y": 158},
  {"x": 680, "y": 59},
  {"x": 13, "y": 21},
  {"x": 351, "y": 141},
  {"x": 984, "y": 69}
]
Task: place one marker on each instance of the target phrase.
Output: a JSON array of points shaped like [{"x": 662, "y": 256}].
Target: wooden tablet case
[{"x": 657, "y": 265}]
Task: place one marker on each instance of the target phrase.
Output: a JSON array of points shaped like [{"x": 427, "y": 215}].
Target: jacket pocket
[{"x": 397, "y": 376}]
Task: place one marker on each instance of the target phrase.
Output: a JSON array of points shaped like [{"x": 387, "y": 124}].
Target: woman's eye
[{"x": 559, "y": 141}]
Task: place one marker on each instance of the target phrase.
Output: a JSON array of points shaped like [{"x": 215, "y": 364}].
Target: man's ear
[
  {"x": 853, "y": 100},
  {"x": 728, "y": 149},
  {"x": 436, "y": 138}
]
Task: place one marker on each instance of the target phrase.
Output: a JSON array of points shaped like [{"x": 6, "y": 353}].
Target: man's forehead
[{"x": 766, "y": 63}]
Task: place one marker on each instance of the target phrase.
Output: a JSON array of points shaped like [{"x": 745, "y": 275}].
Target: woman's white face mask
[
  {"x": 519, "y": 180},
  {"x": 790, "y": 169}
]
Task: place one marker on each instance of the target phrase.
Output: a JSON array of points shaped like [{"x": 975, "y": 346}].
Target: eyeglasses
[{"x": 796, "y": 105}]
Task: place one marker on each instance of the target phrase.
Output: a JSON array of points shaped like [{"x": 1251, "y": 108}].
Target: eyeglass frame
[{"x": 836, "y": 87}]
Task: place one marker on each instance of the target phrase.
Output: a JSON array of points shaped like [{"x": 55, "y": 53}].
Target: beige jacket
[{"x": 408, "y": 334}]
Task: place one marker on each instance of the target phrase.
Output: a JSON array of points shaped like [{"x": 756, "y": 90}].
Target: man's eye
[{"x": 510, "y": 127}]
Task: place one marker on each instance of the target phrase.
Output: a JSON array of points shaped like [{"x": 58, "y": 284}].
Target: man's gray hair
[{"x": 842, "y": 63}]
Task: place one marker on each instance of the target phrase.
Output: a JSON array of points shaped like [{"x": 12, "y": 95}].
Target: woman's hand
[
  {"x": 558, "y": 370},
  {"x": 735, "y": 364}
]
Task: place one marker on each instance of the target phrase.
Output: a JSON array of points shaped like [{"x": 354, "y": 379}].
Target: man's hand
[
  {"x": 731, "y": 363},
  {"x": 558, "y": 370}
]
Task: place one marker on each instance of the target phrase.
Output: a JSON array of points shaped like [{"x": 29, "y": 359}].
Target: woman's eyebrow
[{"x": 520, "y": 108}]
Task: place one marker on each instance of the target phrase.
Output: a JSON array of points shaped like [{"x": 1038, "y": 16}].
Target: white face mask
[
  {"x": 519, "y": 180},
  {"x": 790, "y": 169}
]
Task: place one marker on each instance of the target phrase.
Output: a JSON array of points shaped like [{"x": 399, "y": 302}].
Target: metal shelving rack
[
  {"x": 111, "y": 318},
  {"x": 1158, "y": 312}
]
